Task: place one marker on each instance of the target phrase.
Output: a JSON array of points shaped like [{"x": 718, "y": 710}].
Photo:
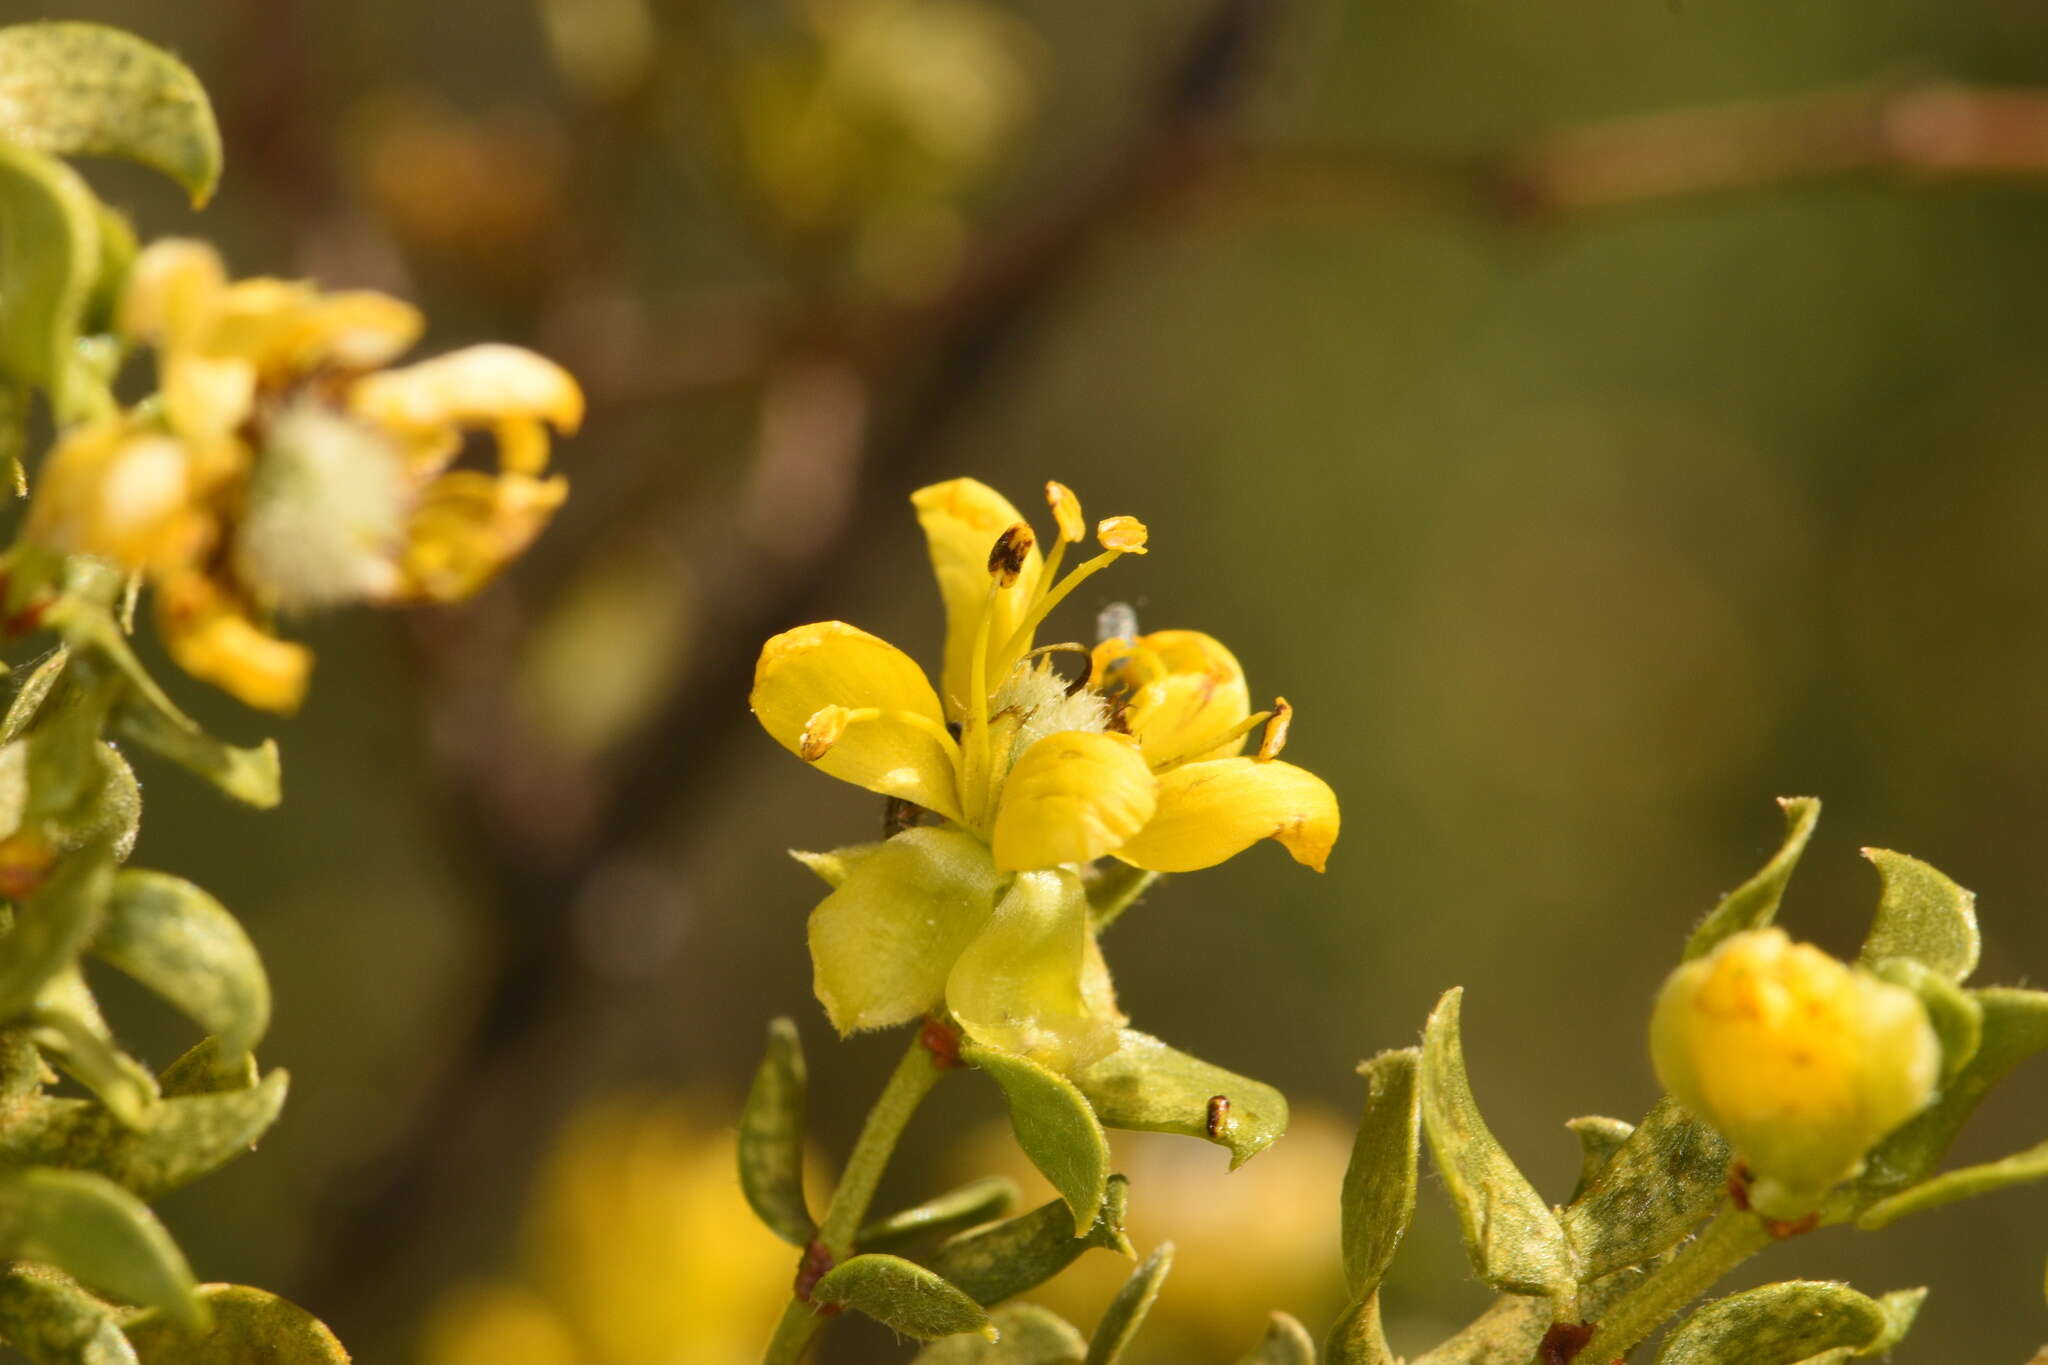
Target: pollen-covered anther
[
  {"x": 1066, "y": 510},
  {"x": 822, "y": 731},
  {"x": 1275, "y": 738},
  {"x": 1006, "y": 557},
  {"x": 1125, "y": 535}
]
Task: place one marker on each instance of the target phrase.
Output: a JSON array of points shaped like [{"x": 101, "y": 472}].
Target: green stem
[
  {"x": 1728, "y": 1241},
  {"x": 912, "y": 1080}
]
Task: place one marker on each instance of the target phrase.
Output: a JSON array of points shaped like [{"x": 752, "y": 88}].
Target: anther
[
  {"x": 1066, "y": 510},
  {"x": 1006, "y": 558},
  {"x": 1275, "y": 738},
  {"x": 822, "y": 731},
  {"x": 1125, "y": 535}
]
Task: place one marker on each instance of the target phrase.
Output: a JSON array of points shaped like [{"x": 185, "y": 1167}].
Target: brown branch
[{"x": 544, "y": 833}]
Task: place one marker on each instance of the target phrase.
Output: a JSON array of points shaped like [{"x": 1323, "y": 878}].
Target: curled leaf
[
  {"x": 1286, "y": 1342},
  {"x": 1055, "y": 1126},
  {"x": 1922, "y": 915},
  {"x": 79, "y": 89},
  {"x": 1778, "y": 1324},
  {"x": 1030, "y": 1336},
  {"x": 1006, "y": 1259},
  {"x": 1379, "y": 1184},
  {"x": 187, "y": 1136},
  {"x": 183, "y": 944},
  {"x": 1661, "y": 1183},
  {"x": 97, "y": 1233},
  {"x": 1754, "y": 904},
  {"x": 771, "y": 1143},
  {"x": 1599, "y": 1138},
  {"x": 902, "y": 1296},
  {"x": 1126, "y": 1312},
  {"x": 2021, "y": 1168},
  {"x": 1149, "y": 1087},
  {"x": 251, "y": 776},
  {"x": 49, "y": 259},
  {"x": 970, "y": 1205}
]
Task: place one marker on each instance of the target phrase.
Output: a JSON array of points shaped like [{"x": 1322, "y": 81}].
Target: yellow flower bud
[{"x": 1801, "y": 1061}]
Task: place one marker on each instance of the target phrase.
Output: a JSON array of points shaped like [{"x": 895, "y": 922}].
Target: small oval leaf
[
  {"x": 902, "y": 1296},
  {"x": 80, "y": 89},
  {"x": 1054, "y": 1125},
  {"x": 49, "y": 259},
  {"x": 49, "y": 1319},
  {"x": 69, "y": 1029},
  {"x": 1379, "y": 1184},
  {"x": 187, "y": 1137},
  {"x": 1754, "y": 904},
  {"x": 1030, "y": 1336},
  {"x": 1777, "y": 1324},
  {"x": 183, "y": 944},
  {"x": 771, "y": 1144},
  {"x": 1513, "y": 1237},
  {"x": 1286, "y": 1342},
  {"x": 251, "y": 776},
  {"x": 1009, "y": 1258},
  {"x": 97, "y": 1233},
  {"x": 1126, "y": 1312},
  {"x": 248, "y": 1325},
  {"x": 971, "y": 1205},
  {"x": 1146, "y": 1086},
  {"x": 1663, "y": 1182},
  {"x": 1922, "y": 915}
]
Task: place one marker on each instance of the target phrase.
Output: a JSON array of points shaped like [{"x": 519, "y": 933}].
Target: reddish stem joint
[
  {"x": 1563, "y": 1342},
  {"x": 942, "y": 1041},
  {"x": 817, "y": 1260}
]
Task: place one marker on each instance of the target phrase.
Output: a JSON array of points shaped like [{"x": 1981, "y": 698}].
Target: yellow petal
[
  {"x": 211, "y": 638},
  {"x": 803, "y": 671},
  {"x": 962, "y": 519},
  {"x": 1029, "y": 982},
  {"x": 123, "y": 495},
  {"x": 286, "y": 327},
  {"x": 885, "y": 940},
  {"x": 206, "y": 397},
  {"x": 173, "y": 292},
  {"x": 1072, "y": 797},
  {"x": 474, "y": 386},
  {"x": 469, "y": 526},
  {"x": 1215, "y": 810},
  {"x": 1181, "y": 690}
]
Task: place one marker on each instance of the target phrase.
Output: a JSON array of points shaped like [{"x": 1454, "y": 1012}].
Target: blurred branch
[
  {"x": 545, "y": 833},
  {"x": 1933, "y": 131}
]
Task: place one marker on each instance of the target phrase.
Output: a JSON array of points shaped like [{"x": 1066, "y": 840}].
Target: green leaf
[
  {"x": 76, "y": 89},
  {"x": 187, "y": 1136},
  {"x": 1379, "y": 1184},
  {"x": 1754, "y": 904},
  {"x": 1922, "y": 915},
  {"x": 1967, "y": 1183},
  {"x": 1599, "y": 1138},
  {"x": 1006, "y": 1259},
  {"x": 1957, "y": 1018},
  {"x": 32, "y": 693},
  {"x": 52, "y": 927},
  {"x": 1358, "y": 1338},
  {"x": 251, "y": 776},
  {"x": 1286, "y": 1342},
  {"x": 1777, "y": 1324},
  {"x": 184, "y": 945},
  {"x": 1054, "y": 1126},
  {"x": 204, "y": 1069},
  {"x": 902, "y": 1296},
  {"x": 1513, "y": 1237},
  {"x": 97, "y": 1233},
  {"x": 771, "y": 1143},
  {"x": 69, "y": 1030},
  {"x": 49, "y": 1319},
  {"x": 2015, "y": 1028},
  {"x": 49, "y": 259},
  {"x": 1146, "y": 1086},
  {"x": 1030, "y": 1336},
  {"x": 1663, "y": 1182},
  {"x": 970, "y": 1205},
  {"x": 249, "y": 1325},
  {"x": 1126, "y": 1312}
]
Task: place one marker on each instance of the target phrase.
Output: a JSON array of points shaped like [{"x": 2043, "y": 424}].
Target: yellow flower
[
  {"x": 638, "y": 1248},
  {"x": 281, "y": 468},
  {"x": 1801, "y": 1061},
  {"x": 1034, "y": 777}
]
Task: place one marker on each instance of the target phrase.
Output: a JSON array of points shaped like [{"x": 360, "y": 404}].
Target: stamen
[
  {"x": 1125, "y": 534},
  {"x": 1006, "y": 557},
  {"x": 1236, "y": 732},
  {"x": 1275, "y": 738},
  {"x": 1066, "y": 510},
  {"x": 974, "y": 777},
  {"x": 829, "y": 724},
  {"x": 1020, "y": 639}
]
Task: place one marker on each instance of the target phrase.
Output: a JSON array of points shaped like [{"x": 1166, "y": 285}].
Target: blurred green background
[{"x": 1574, "y": 539}]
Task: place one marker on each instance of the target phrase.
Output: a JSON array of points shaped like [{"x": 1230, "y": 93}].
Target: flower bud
[{"x": 1801, "y": 1061}]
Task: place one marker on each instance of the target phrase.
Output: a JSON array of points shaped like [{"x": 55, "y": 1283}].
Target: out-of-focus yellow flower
[
  {"x": 1801, "y": 1061},
  {"x": 639, "y": 1250},
  {"x": 1264, "y": 1238},
  {"x": 283, "y": 468},
  {"x": 1035, "y": 777}
]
